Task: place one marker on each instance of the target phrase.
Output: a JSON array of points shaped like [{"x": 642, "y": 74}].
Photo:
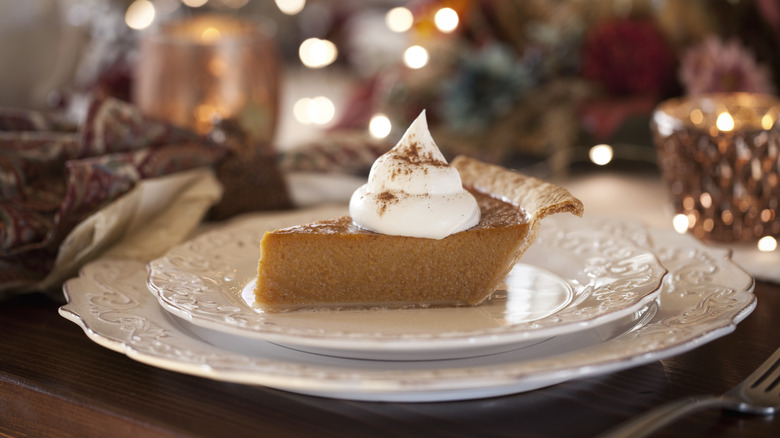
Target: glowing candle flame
[{"x": 725, "y": 123}]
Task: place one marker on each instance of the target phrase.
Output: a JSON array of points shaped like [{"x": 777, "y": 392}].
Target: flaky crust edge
[{"x": 535, "y": 197}]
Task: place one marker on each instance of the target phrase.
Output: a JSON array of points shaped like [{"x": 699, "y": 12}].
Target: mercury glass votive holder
[
  {"x": 718, "y": 155},
  {"x": 210, "y": 70}
]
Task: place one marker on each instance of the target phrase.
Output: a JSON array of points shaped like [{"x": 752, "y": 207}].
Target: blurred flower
[
  {"x": 718, "y": 66},
  {"x": 486, "y": 84},
  {"x": 628, "y": 56}
]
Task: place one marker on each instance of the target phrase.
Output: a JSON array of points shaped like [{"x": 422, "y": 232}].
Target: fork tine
[
  {"x": 768, "y": 372},
  {"x": 774, "y": 383},
  {"x": 772, "y": 378}
]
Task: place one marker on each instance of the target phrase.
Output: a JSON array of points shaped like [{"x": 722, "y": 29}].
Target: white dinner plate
[
  {"x": 702, "y": 298},
  {"x": 577, "y": 275}
]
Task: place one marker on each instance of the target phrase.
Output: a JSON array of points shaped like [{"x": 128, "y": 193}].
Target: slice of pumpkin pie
[{"x": 421, "y": 232}]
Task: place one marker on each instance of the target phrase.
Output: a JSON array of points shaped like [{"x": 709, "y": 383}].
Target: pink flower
[
  {"x": 628, "y": 56},
  {"x": 718, "y": 66}
]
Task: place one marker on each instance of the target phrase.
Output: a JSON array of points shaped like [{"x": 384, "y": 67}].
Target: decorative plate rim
[
  {"x": 702, "y": 298},
  {"x": 200, "y": 281}
]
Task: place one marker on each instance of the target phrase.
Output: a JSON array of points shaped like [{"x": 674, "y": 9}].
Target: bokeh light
[
  {"x": 290, "y": 7},
  {"x": 601, "y": 154},
  {"x": 380, "y": 126},
  {"x": 767, "y": 244},
  {"x": 318, "y": 110},
  {"x": 724, "y": 122},
  {"x": 194, "y": 3},
  {"x": 446, "y": 20},
  {"x": 416, "y": 57},
  {"x": 680, "y": 223},
  {"x": 399, "y": 19},
  {"x": 210, "y": 35},
  {"x": 301, "y": 110},
  {"x": 140, "y": 14},
  {"x": 767, "y": 121},
  {"x": 317, "y": 53},
  {"x": 706, "y": 200},
  {"x": 321, "y": 110},
  {"x": 697, "y": 116}
]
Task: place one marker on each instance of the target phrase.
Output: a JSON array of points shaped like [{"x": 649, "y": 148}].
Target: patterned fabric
[
  {"x": 23, "y": 120},
  {"x": 50, "y": 181},
  {"x": 347, "y": 151}
]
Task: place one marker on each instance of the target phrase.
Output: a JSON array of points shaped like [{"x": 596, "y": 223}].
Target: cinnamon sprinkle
[
  {"x": 385, "y": 199},
  {"x": 412, "y": 155},
  {"x": 407, "y": 158}
]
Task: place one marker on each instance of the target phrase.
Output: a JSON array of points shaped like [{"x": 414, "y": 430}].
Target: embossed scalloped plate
[
  {"x": 702, "y": 298},
  {"x": 573, "y": 278}
]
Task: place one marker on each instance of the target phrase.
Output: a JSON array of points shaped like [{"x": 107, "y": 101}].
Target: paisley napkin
[{"x": 53, "y": 177}]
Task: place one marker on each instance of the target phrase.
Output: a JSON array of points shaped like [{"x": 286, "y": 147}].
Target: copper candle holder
[
  {"x": 219, "y": 76},
  {"x": 718, "y": 155},
  {"x": 210, "y": 70}
]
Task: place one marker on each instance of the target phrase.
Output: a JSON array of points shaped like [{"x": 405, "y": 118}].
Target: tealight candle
[
  {"x": 719, "y": 155},
  {"x": 210, "y": 70}
]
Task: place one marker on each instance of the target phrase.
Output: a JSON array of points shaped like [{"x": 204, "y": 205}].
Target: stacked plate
[{"x": 590, "y": 296}]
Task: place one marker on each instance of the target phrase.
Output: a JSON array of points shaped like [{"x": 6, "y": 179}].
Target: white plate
[
  {"x": 702, "y": 298},
  {"x": 576, "y": 276}
]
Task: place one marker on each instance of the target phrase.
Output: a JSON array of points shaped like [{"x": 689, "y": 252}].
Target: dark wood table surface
[{"x": 54, "y": 381}]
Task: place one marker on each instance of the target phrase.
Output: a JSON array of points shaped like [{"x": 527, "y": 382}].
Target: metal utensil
[{"x": 759, "y": 394}]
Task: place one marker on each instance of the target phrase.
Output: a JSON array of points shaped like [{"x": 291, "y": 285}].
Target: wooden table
[{"x": 54, "y": 381}]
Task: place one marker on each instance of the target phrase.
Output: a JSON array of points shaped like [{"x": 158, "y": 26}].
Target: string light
[
  {"x": 680, "y": 223},
  {"x": 601, "y": 154},
  {"x": 140, "y": 14},
  {"x": 767, "y": 244},
  {"x": 379, "y": 126},
  {"x": 321, "y": 110},
  {"x": 317, "y": 53},
  {"x": 446, "y": 20},
  {"x": 416, "y": 57},
  {"x": 301, "y": 110},
  {"x": 399, "y": 19},
  {"x": 290, "y": 7},
  {"x": 318, "y": 110},
  {"x": 194, "y": 3}
]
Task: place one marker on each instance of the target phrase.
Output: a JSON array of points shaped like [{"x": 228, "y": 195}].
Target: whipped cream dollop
[{"x": 412, "y": 191}]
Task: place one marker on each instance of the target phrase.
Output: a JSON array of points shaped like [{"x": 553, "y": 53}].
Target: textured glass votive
[
  {"x": 210, "y": 70},
  {"x": 718, "y": 155}
]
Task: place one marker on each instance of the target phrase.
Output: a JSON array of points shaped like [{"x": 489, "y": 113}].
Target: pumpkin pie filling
[{"x": 335, "y": 263}]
